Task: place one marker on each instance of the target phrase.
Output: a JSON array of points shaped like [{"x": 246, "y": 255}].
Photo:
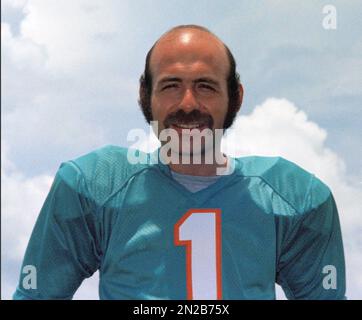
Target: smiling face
[{"x": 189, "y": 91}]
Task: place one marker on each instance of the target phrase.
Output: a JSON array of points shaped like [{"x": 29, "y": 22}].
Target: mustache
[{"x": 181, "y": 116}]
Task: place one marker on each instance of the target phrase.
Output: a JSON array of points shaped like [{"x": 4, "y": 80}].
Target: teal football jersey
[{"x": 267, "y": 222}]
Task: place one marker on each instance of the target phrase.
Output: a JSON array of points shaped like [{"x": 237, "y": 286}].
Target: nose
[{"x": 188, "y": 102}]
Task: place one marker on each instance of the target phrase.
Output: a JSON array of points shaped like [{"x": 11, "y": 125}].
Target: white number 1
[{"x": 200, "y": 231}]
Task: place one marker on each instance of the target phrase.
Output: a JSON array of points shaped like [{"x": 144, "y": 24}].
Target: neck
[{"x": 202, "y": 169}]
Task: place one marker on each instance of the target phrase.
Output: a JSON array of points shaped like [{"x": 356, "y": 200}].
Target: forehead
[{"x": 189, "y": 51}]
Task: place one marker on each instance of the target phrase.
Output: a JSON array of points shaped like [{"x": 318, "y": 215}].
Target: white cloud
[
  {"x": 47, "y": 102},
  {"x": 75, "y": 33},
  {"x": 21, "y": 51}
]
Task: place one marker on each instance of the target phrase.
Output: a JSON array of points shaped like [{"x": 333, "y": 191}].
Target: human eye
[
  {"x": 206, "y": 87},
  {"x": 169, "y": 86}
]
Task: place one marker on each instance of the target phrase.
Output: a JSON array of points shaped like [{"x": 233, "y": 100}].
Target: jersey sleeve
[
  {"x": 311, "y": 258},
  {"x": 64, "y": 246}
]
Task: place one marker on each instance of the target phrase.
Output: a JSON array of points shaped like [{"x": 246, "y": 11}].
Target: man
[{"x": 211, "y": 227}]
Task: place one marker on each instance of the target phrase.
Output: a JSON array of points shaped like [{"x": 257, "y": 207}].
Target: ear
[{"x": 241, "y": 96}]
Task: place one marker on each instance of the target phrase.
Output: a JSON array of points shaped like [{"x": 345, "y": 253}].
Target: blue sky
[{"x": 70, "y": 73}]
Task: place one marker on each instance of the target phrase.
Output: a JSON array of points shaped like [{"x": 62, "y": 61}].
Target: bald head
[{"x": 189, "y": 46}]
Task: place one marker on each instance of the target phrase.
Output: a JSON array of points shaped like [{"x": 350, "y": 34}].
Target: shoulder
[
  {"x": 100, "y": 173},
  {"x": 289, "y": 182}
]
